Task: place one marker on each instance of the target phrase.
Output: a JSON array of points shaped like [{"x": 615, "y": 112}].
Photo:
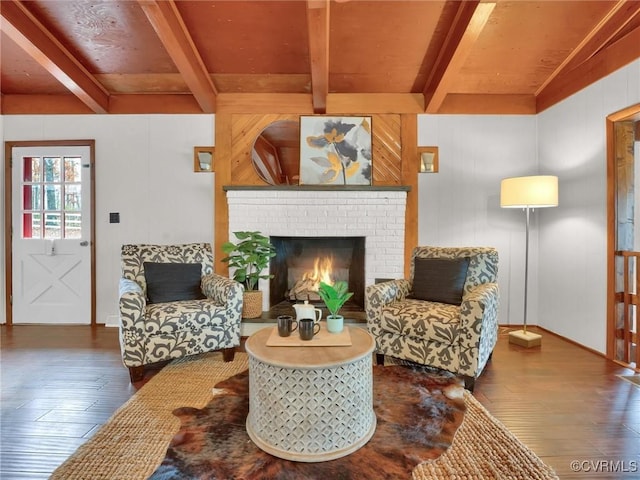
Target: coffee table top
[{"x": 304, "y": 357}]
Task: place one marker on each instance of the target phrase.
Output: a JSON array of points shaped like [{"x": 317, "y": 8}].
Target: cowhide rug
[{"x": 418, "y": 411}]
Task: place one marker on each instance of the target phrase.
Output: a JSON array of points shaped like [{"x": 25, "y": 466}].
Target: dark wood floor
[{"x": 59, "y": 384}]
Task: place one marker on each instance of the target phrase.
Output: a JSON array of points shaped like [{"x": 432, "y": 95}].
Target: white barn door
[{"x": 51, "y": 201}]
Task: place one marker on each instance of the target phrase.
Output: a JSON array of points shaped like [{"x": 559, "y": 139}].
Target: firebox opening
[{"x": 302, "y": 262}]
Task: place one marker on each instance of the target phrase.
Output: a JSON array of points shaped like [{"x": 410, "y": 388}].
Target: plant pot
[
  {"x": 252, "y": 304},
  {"x": 335, "y": 323}
]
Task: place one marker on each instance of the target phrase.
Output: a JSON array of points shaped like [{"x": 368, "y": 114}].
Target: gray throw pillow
[
  {"x": 170, "y": 282},
  {"x": 439, "y": 279}
]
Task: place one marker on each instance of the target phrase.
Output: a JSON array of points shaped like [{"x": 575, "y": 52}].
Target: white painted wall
[
  {"x": 460, "y": 205},
  {"x": 144, "y": 170},
  {"x": 567, "y": 262},
  {"x": 573, "y": 237}
]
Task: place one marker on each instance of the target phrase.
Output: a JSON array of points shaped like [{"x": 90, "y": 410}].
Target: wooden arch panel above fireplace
[
  {"x": 395, "y": 162},
  {"x": 245, "y": 128}
]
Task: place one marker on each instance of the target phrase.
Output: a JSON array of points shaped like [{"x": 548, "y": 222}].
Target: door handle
[{"x": 84, "y": 243}]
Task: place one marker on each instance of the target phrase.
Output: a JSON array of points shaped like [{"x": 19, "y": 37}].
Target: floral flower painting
[{"x": 335, "y": 150}]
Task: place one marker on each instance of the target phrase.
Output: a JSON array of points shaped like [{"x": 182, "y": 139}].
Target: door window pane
[
  {"x": 52, "y": 197},
  {"x": 72, "y": 198},
  {"x": 31, "y": 169},
  {"x": 52, "y": 224},
  {"x": 52, "y": 169},
  {"x": 31, "y": 197},
  {"x": 72, "y": 225},
  {"x": 72, "y": 169},
  {"x": 31, "y": 227}
]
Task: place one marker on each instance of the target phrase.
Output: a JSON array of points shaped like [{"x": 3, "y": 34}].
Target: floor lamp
[{"x": 528, "y": 193}]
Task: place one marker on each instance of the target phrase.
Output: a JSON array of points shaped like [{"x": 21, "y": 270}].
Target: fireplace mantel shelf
[{"x": 321, "y": 188}]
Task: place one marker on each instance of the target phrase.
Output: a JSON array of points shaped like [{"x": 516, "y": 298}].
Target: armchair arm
[
  {"x": 381, "y": 294},
  {"x": 479, "y": 327},
  {"x": 128, "y": 286},
  {"x": 228, "y": 296},
  {"x": 222, "y": 290},
  {"x": 132, "y": 303}
]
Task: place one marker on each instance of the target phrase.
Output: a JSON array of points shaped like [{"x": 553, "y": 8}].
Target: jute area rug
[{"x": 133, "y": 443}]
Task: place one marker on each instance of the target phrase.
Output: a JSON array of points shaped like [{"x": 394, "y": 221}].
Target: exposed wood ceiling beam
[
  {"x": 168, "y": 24},
  {"x": 464, "y": 14},
  {"x": 28, "y": 33},
  {"x": 614, "y": 56},
  {"x": 318, "y": 30},
  {"x": 622, "y": 12},
  {"x": 470, "y": 19}
]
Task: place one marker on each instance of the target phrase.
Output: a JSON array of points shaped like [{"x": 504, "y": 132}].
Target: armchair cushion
[
  {"x": 440, "y": 279},
  {"x": 170, "y": 282},
  {"x": 423, "y": 320},
  {"x": 188, "y": 316}
]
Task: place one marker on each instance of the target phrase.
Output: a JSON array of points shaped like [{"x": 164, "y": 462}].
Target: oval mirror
[{"x": 276, "y": 153}]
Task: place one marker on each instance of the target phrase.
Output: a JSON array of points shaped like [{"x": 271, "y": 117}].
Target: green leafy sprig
[{"x": 334, "y": 296}]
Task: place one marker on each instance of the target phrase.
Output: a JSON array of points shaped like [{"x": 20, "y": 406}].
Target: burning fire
[
  {"x": 322, "y": 271},
  {"x": 306, "y": 287}
]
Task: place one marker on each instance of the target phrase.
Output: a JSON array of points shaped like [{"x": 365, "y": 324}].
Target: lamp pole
[
  {"x": 526, "y": 271},
  {"x": 522, "y": 337}
]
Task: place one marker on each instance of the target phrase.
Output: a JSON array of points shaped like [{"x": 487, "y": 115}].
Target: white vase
[{"x": 335, "y": 323}]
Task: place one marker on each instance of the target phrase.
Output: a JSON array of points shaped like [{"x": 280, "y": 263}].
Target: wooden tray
[{"x": 321, "y": 339}]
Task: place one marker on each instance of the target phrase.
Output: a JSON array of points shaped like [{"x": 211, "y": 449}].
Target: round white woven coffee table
[{"x": 310, "y": 403}]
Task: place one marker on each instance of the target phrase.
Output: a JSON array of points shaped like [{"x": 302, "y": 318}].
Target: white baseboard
[{"x": 112, "y": 321}]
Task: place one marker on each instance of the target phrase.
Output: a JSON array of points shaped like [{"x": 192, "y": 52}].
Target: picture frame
[
  {"x": 429, "y": 161},
  {"x": 335, "y": 150},
  {"x": 203, "y": 159}
]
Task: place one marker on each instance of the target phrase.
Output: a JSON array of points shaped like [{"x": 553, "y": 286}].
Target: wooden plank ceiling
[{"x": 148, "y": 56}]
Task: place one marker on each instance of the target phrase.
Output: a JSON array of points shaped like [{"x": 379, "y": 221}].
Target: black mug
[
  {"x": 307, "y": 328},
  {"x": 286, "y": 325}
]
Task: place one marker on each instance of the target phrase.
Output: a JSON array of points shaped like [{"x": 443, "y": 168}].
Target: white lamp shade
[{"x": 537, "y": 191}]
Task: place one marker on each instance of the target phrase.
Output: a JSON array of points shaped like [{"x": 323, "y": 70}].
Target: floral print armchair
[
  {"x": 155, "y": 332},
  {"x": 455, "y": 337}
]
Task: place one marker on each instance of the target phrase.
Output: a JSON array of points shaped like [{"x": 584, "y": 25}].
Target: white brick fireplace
[{"x": 376, "y": 213}]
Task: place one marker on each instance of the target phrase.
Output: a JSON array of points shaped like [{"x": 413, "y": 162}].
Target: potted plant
[
  {"x": 249, "y": 257},
  {"x": 334, "y": 297}
]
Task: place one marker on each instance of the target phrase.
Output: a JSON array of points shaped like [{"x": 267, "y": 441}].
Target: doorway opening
[{"x": 623, "y": 250}]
